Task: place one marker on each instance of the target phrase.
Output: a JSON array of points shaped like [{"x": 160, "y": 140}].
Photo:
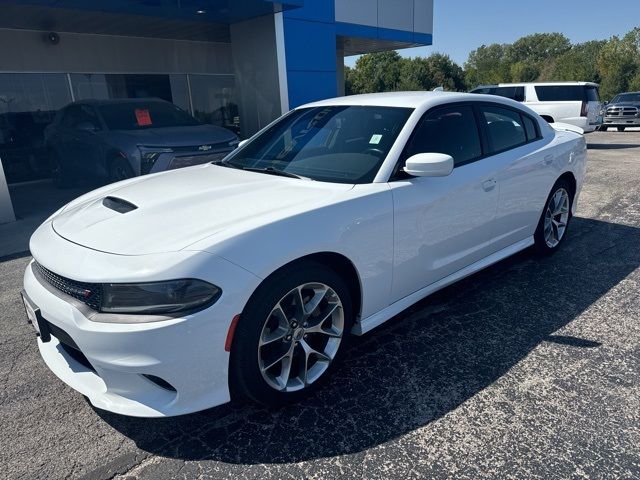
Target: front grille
[
  {"x": 202, "y": 148},
  {"x": 622, "y": 111},
  {"x": 88, "y": 293}
]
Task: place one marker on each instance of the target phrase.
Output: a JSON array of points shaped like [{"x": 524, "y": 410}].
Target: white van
[{"x": 577, "y": 103}]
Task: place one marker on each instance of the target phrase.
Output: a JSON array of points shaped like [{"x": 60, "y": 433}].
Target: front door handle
[{"x": 489, "y": 185}]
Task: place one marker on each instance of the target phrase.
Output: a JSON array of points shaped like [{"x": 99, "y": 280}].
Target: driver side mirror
[{"x": 429, "y": 165}]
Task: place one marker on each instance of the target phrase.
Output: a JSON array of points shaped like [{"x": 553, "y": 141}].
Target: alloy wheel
[
  {"x": 301, "y": 337},
  {"x": 556, "y": 218}
]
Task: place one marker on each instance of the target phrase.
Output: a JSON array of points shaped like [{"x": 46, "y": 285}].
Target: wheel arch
[
  {"x": 570, "y": 178},
  {"x": 548, "y": 118},
  {"x": 340, "y": 264}
]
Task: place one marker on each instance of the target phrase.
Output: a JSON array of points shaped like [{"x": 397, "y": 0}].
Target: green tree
[
  {"x": 578, "y": 63},
  {"x": 524, "y": 72},
  {"x": 376, "y": 72},
  {"x": 427, "y": 73},
  {"x": 487, "y": 64},
  {"x": 537, "y": 48},
  {"x": 619, "y": 63}
]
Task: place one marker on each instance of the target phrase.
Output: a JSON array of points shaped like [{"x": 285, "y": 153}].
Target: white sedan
[{"x": 171, "y": 293}]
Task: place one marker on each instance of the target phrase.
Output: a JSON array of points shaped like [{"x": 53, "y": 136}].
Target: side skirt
[{"x": 392, "y": 310}]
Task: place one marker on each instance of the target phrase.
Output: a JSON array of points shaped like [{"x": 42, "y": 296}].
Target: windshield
[
  {"x": 627, "y": 97},
  {"x": 342, "y": 144},
  {"x": 140, "y": 115}
]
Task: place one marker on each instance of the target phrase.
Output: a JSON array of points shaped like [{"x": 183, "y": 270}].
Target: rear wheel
[
  {"x": 621, "y": 129},
  {"x": 119, "y": 169},
  {"x": 553, "y": 224},
  {"x": 291, "y": 334}
]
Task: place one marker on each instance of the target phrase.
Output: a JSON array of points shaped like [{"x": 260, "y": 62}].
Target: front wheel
[
  {"x": 621, "y": 129},
  {"x": 553, "y": 224},
  {"x": 603, "y": 128},
  {"x": 291, "y": 334}
]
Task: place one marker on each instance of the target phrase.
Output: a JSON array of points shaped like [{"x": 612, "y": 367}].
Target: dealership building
[{"x": 234, "y": 63}]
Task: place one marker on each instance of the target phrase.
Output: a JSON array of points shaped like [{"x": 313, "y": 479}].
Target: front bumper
[
  {"x": 621, "y": 121},
  {"x": 185, "y": 352}
]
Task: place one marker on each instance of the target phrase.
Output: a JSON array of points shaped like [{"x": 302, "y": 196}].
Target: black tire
[
  {"x": 621, "y": 129},
  {"x": 541, "y": 245},
  {"x": 59, "y": 175},
  {"x": 119, "y": 169},
  {"x": 245, "y": 377},
  {"x": 603, "y": 128}
]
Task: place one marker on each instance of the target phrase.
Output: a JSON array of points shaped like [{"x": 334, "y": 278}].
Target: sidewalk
[{"x": 33, "y": 202}]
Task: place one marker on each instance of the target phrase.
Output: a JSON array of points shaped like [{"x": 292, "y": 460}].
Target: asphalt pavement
[{"x": 529, "y": 369}]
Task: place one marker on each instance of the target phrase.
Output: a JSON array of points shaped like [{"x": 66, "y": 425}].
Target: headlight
[
  {"x": 148, "y": 157},
  {"x": 158, "y": 297}
]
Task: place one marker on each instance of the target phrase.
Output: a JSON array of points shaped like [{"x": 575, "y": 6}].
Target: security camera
[{"x": 53, "y": 38}]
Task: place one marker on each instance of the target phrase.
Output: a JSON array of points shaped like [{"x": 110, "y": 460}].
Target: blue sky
[{"x": 460, "y": 26}]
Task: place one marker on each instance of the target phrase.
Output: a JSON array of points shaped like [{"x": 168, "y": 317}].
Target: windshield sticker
[
  {"x": 375, "y": 139},
  {"x": 143, "y": 117}
]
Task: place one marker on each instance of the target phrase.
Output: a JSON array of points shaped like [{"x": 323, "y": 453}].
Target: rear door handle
[
  {"x": 548, "y": 160},
  {"x": 489, "y": 185}
]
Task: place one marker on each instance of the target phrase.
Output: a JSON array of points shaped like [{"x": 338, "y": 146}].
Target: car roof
[
  {"x": 548, "y": 84},
  {"x": 394, "y": 99}
]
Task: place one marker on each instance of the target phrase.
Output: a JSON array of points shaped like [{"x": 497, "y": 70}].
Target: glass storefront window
[
  {"x": 28, "y": 103},
  {"x": 104, "y": 86},
  {"x": 214, "y": 100}
]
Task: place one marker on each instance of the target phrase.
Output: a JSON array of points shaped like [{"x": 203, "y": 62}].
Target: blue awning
[{"x": 219, "y": 11}]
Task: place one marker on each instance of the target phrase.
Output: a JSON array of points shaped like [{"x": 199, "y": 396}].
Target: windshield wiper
[{"x": 273, "y": 171}]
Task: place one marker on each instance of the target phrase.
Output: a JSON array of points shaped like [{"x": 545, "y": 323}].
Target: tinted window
[
  {"x": 451, "y": 130},
  {"x": 567, "y": 93},
  {"x": 627, "y": 97},
  {"x": 514, "y": 93},
  {"x": 80, "y": 114},
  {"x": 342, "y": 144},
  {"x": 530, "y": 128},
  {"x": 504, "y": 128},
  {"x": 140, "y": 114}
]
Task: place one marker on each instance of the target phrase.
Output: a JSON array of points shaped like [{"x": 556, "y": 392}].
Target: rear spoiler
[{"x": 566, "y": 127}]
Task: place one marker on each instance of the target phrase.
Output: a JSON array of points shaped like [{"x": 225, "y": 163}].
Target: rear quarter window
[{"x": 567, "y": 93}]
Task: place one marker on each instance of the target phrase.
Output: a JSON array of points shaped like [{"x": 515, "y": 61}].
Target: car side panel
[
  {"x": 524, "y": 186},
  {"x": 359, "y": 226}
]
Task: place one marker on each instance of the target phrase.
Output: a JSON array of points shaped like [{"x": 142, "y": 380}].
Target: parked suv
[
  {"x": 576, "y": 103},
  {"x": 119, "y": 139},
  {"x": 623, "y": 111}
]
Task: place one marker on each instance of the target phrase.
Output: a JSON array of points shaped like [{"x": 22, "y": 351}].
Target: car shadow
[
  {"x": 611, "y": 146},
  {"x": 420, "y": 365}
]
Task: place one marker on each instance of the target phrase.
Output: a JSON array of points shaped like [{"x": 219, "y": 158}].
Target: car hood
[
  {"x": 624, "y": 104},
  {"x": 178, "y": 136},
  {"x": 170, "y": 211}
]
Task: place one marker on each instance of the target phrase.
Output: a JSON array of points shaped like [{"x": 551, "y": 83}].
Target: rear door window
[{"x": 504, "y": 128}]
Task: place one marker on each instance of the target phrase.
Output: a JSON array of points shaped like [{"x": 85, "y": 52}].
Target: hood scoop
[{"x": 118, "y": 204}]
